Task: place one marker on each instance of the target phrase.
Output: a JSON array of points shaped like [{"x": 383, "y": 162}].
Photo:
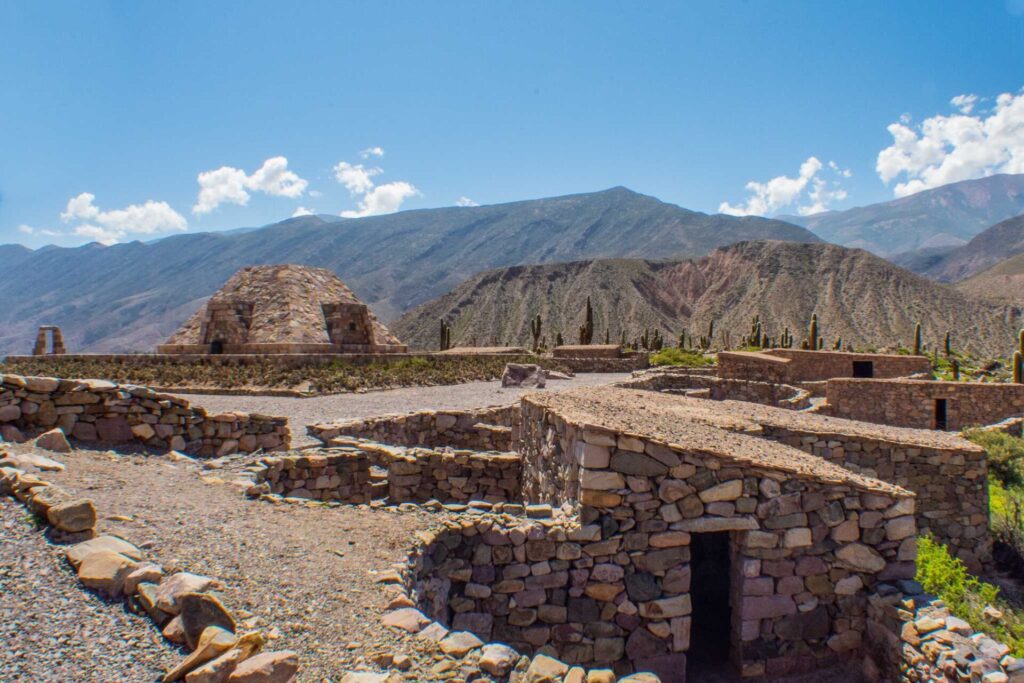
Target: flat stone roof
[
  {"x": 671, "y": 421},
  {"x": 722, "y": 413}
]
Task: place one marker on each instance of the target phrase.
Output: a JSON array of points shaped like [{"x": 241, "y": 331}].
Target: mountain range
[
  {"x": 944, "y": 217},
  {"x": 859, "y": 297},
  {"x": 129, "y": 297}
]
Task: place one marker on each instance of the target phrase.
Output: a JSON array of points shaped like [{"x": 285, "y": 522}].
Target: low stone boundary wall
[
  {"x": 911, "y": 636},
  {"x": 97, "y": 411},
  {"x": 410, "y": 475},
  {"x": 794, "y": 365},
  {"x": 766, "y": 393},
  {"x": 637, "y": 361},
  {"x": 495, "y": 428}
]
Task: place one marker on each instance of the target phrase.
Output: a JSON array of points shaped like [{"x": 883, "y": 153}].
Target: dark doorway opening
[
  {"x": 863, "y": 369},
  {"x": 941, "y": 420},
  {"x": 217, "y": 347},
  {"x": 709, "y": 591}
]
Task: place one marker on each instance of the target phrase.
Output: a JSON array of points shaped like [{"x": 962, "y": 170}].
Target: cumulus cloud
[
  {"x": 26, "y": 229},
  {"x": 382, "y": 199},
  {"x": 233, "y": 186},
  {"x": 356, "y": 178},
  {"x": 943, "y": 149},
  {"x": 302, "y": 211},
  {"x": 371, "y": 152},
  {"x": 808, "y": 192},
  {"x": 113, "y": 226},
  {"x": 373, "y": 199},
  {"x": 465, "y": 201}
]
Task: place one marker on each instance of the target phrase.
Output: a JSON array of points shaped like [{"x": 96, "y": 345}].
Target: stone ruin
[
  {"x": 56, "y": 342},
  {"x": 283, "y": 309}
]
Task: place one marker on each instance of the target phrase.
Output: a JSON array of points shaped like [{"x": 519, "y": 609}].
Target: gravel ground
[
  {"x": 305, "y": 411},
  {"x": 53, "y": 630},
  {"x": 307, "y": 574}
]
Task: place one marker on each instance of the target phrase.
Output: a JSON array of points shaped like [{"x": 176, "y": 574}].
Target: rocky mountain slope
[
  {"x": 131, "y": 296},
  {"x": 1003, "y": 282},
  {"x": 988, "y": 248},
  {"x": 945, "y": 216},
  {"x": 857, "y": 296}
]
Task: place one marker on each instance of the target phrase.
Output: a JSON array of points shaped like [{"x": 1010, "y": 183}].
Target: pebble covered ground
[
  {"x": 338, "y": 407},
  {"x": 53, "y": 630}
]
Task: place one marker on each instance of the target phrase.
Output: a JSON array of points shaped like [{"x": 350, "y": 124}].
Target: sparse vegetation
[
  {"x": 334, "y": 377},
  {"x": 967, "y": 596},
  {"x": 681, "y": 358}
]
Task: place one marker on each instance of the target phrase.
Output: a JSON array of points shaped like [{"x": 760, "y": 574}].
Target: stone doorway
[
  {"x": 941, "y": 414},
  {"x": 710, "y": 636},
  {"x": 217, "y": 347},
  {"x": 863, "y": 369}
]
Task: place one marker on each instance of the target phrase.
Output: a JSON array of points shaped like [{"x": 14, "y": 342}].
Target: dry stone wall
[
  {"x": 97, "y": 411},
  {"x": 486, "y": 429},
  {"x": 361, "y": 471},
  {"x": 766, "y": 393},
  {"x": 912, "y": 636},
  {"x": 616, "y": 586},
  {"x": 913, "y": 403},
  {"x": 790, "y": 365}
]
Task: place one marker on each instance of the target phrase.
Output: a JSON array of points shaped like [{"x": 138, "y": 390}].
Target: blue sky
[{"x": 490, "y": 102}]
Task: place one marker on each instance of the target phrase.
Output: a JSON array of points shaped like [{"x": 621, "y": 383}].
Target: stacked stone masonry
[
  {"x": 916, "y": 403},
  {"x": 912, "y": 636},
  {"x": 97, "y": 411},
  {"x": 357, "y": 471},
  {"x": 806, "y": 538},
  {"x": 485, "y": 429},
  {"x": 788, "y": 366},
  {"x": 718, "y": 389}
]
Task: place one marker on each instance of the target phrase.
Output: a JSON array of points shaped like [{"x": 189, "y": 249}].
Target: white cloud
[
  {"x": 26, "y": 229},
  {"x": 233, "y": 186},
  {"x": 382, "y": 199},
  {"x": 465, "y": 201},
  {"x": 373, "y": 199},
  {"x": 807, "y": 192},
  {"x": 371, "y": 152},
  {"x": 302, "y": 211},
  {"x": 113, "y": 226},
  {"x": 947, "y": 149},
  {"x": 315, "y": 193},
  {"x": 355, "y": 177}
]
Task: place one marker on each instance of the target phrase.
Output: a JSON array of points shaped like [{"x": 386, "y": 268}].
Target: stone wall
[
  {"x": 789, "y": 365},
  {"x": 912, "y": 636},
  {"x": 912, "y": 403},
  {"x": 96, "y": 411},
  {"x": 806, "y": 538},
  {"x": 587, "y": 351},
  {"x": 495, "y": 428},
  {"x": 686, "y": 381},
  {"x": 628, "y": 363},
  {"x": 361, "y": 471},
  {"x": 951, "y": 483}
]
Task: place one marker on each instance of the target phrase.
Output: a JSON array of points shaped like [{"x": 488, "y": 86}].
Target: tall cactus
[
  {"x": 711, "y": 333},
  {"x": 948, "y": 344},
  {"x": 445, "y": 336},
  {"x": 558, "y": 339},
  {"x": 1018, "y": 359},
  {"x": 535, "y": 329},
  {"x": 587, "y": 328},
  {"x": 607, "y": 336},
  {"x": 812, "y": 333},
  {"x": 954, "y": 365},
  {"x": 917, "y": 340}
]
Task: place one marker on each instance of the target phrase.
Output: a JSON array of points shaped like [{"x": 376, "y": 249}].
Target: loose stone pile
[
  {"x": 485, "y": 429},
  {"x": 913, "y": 637},
  {"x": 185, "y": 606},
  {"x": 358, "y": 471},
  {"x": 93, "y": 411}
]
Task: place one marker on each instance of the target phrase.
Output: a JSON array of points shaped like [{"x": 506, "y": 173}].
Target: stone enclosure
[{"x": 789, "y": 366}]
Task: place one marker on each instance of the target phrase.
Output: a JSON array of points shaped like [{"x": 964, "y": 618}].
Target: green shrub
[
  {"x": 1005, "y": 454},
  {"x": 681, "y": 357},
  {"x": 967, "y": 596}
]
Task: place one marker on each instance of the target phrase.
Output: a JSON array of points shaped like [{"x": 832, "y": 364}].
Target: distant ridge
[
  {"x": 131, "y": 296},
  {"x": 857, "y": 296},
  {"x": 946, "y": 216}
]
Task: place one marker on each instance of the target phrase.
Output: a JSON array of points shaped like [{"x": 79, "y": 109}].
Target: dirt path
[
  {"x": 307, "y": 574},
  {"x": 304, "y": 411},
  {"x": 52, "y": 630}
]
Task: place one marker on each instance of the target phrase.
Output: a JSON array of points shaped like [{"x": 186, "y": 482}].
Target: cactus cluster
[{"x": 918, "y": 341}]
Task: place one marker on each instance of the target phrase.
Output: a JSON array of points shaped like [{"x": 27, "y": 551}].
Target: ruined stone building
[{"x": 282, "y": 309}]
